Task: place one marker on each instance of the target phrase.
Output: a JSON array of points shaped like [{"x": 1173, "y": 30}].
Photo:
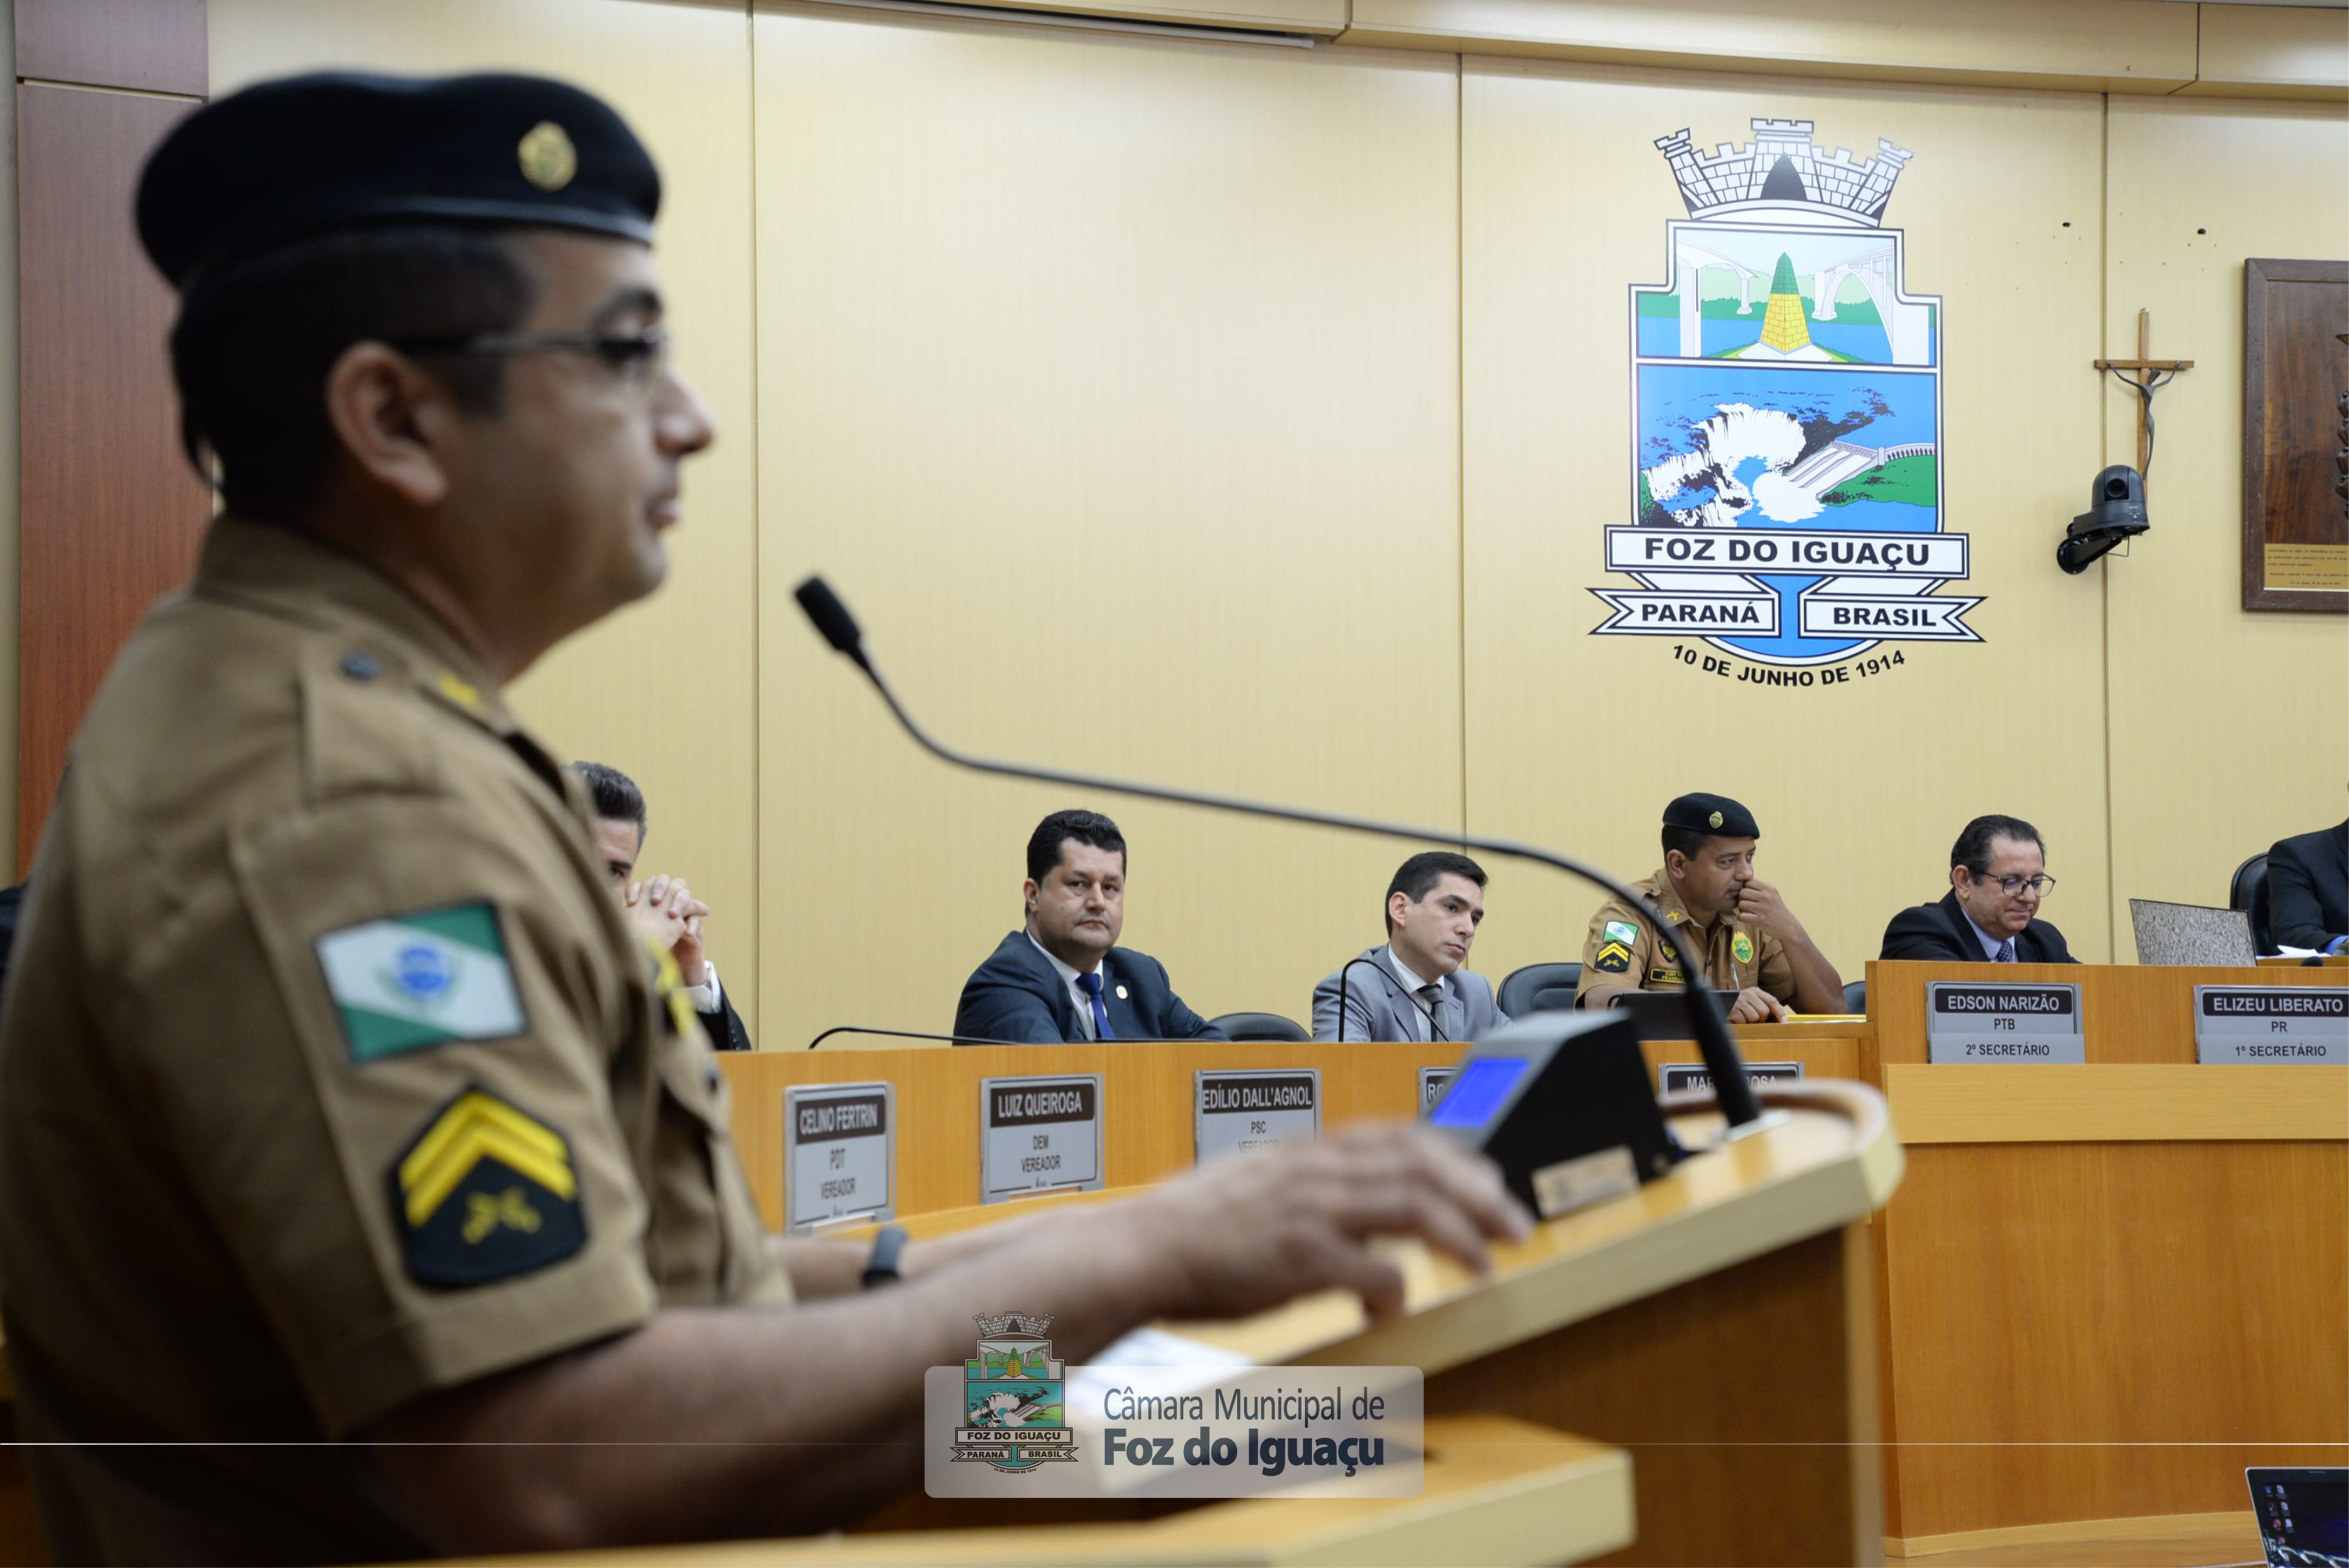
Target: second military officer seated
[
  {"x": 1750, "y": 941},
  {"x": 366, "y": 1185},
  {"x": 1063, "y": 977}
]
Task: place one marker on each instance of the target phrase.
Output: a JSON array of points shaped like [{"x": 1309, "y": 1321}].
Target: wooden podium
[{"x": 1708, "y": 1340}]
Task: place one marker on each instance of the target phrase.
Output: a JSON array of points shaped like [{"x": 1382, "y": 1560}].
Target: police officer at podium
[
  {"x": 366, "y": 1186},
  {"x": 1751, "y": 941}
]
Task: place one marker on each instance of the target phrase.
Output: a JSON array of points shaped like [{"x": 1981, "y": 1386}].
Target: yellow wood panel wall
[
  {"x": 1860, "y": 790},
  {"x": 2229, "y": 728},
  {"x": 1114, "y": 384},
  {"x": 664, "y": 690},
  {"x": 1118, "y": 382},
  {"x": 2137, "y": 45}
]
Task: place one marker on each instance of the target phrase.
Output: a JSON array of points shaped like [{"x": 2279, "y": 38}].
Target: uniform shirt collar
[
  {"x": 295, "y": 576},
  {"x": 1667, "y": 899}
]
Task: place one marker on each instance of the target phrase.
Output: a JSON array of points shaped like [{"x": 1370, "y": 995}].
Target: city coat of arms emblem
[
  {"x": 1786, "y": 392},
  {"x": 1013, "y": 1418}
]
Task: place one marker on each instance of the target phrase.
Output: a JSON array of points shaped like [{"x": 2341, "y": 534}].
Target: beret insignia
[
  {"x": 1714, "y": 820},
  {"x": 547, "y": 158}
]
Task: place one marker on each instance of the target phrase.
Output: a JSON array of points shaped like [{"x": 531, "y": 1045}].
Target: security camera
[{"x": 2116, "y": 513}]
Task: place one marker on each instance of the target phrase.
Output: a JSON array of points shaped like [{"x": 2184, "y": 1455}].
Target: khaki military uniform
[
  {"x": 1624, "y": 949},
  {"x": 331, "y": 1074}
]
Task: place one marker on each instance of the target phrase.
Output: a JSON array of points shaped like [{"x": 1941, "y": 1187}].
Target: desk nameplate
[
  {"x": 2030, "y": 1024},
  {"x": 2270, "y": 1025},
  {"x": 1673, "y": 1077},
  {"x": 1040, "y": 1133},
  {"x": 840, "y": 1154},
  {"x": 1433, "y": 1082},
  {"x": 1234, "y": 1110}
]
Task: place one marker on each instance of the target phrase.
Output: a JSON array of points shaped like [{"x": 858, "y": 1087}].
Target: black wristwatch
[{"x": 881, "y": 1268}]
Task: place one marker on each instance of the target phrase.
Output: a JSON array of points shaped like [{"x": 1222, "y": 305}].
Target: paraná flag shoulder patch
[
  {"x": 485, "y": 1190},
  {"x": 1623, "y": 931},
  {"x": 421, "y": 979}
]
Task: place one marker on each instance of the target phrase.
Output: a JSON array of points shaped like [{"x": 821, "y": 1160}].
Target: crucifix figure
[{"x": 2152, "y": 375}]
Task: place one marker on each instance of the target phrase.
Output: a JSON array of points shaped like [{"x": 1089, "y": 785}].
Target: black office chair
[
  {"x": 1259, "y": 1026},
  {"x": 1855, "y": 995},
  {"x": 1539, "y": 988},
  {"x": 2247, "y": 890}
]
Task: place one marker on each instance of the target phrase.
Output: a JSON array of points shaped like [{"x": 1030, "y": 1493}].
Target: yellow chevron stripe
[
  {"x": 479, "y": 1123},
  {"x": 434, "y": 1186},
  {"x": 1615, "y": 950},
  {"x": 475, "y": 1106}
]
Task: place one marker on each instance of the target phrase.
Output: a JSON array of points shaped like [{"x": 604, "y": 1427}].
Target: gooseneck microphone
[
  {"x": 904, "y": 1035},
  {"x": 1730, "y": 1090},
  {"x": 1346, "y": 969}
]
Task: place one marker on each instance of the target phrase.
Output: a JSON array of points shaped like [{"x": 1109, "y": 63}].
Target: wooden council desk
[
  {"x": 1146, "y": 1092},
  {"x": 2105, "y": 1289}
]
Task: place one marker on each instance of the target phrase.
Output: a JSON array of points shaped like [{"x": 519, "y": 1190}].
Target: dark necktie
[
  {"x": 1092, "y": 985},
  {"x": 2006, "y": 951},
  {"x": 1432, "y": 996}
]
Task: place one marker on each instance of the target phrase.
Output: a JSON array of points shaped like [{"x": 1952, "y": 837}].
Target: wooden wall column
[{"x": 110, "y": 514}]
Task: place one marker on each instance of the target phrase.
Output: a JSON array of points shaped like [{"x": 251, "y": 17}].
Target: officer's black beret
[
  {"x": 1716, "y": 814},
  {"x": 288, "y": 159}
]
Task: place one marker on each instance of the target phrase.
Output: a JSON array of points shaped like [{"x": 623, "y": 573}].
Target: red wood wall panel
[
  {"x": 109, "y": 511},
  {"x": 146, "y": 46}
]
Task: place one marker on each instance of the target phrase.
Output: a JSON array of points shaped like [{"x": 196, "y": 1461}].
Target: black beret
[
  {"x": 288, "y": 159},
  {"x": 1718, "y": 814}
]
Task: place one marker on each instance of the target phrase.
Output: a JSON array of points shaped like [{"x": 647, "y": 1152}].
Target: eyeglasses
[
  {"x": 640, "y": 358},
  {"x": 2040, "y": 886}
]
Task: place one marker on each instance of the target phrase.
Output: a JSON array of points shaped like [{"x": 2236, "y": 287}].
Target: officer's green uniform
[{"x": 332, "y": 1073}]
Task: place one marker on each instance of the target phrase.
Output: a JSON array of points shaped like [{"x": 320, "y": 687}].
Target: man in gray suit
[{"x": 1412, "y": 987}]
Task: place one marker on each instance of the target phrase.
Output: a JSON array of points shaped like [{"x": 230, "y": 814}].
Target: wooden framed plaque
[{"x": 2295, "y": 435}]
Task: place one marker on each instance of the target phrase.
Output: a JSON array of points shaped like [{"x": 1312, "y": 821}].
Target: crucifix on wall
[{"x": 2151, "y": 376}]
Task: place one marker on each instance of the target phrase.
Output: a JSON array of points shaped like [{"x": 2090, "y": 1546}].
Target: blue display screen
[{"x": 1482, "y": 1084}]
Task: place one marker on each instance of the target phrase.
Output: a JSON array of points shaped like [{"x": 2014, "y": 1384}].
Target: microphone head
[{"x": 830, "y": 617}]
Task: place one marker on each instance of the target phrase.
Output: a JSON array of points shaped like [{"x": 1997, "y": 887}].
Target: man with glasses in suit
[{"x": 1998, "y": 876}]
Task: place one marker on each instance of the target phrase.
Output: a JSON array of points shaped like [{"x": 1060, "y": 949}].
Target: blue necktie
[
  {"x": 2006, "y": 951},
  {"x": 1091, "y": 983}
]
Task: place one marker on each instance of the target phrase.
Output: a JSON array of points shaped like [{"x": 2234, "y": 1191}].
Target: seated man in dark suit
[
  {"x": 2308, "y": 890},
  {"x": 1063, "y": 977},
  {"x": 1998, "y": 874},
  {"x": 661, "y": 908}
]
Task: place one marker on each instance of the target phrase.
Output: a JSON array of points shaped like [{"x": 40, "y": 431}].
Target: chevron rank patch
[
  {"x": 421, "y": 979},
  {"x": 1613, "y": 958},
  {"x": 1623, "y": 931},
  {"x": 485, "y": 1190}
]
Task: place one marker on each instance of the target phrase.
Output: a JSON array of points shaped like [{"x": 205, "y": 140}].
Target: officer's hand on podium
[
  {"x": 1252, "y": 1232},
  {"x": 1755, "y": 1005}
]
